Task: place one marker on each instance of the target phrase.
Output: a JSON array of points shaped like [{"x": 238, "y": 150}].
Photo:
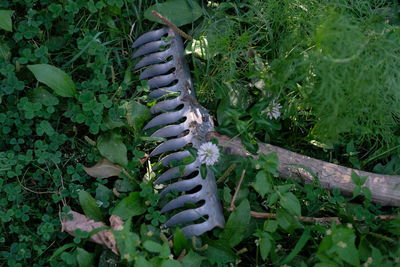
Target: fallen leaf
[
  {"x": 83, "y": 223},
  {"x": 116, "y": 223},
  {"x": 103, "y": 169}
]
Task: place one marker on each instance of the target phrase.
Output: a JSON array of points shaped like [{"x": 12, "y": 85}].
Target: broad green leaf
[
  {"x": 286, "y": 221},
  {"x": 170, "y": 263},
  {"x": 180, "y": 241},
  {"x": 112, "y": 124},
  {"x": 192, "y": 259},
  {"x": 220, "y": 252},
  {"x": 299, "y": 246},
  {"x": 103, "y": 169},
  {"x": 136, "y": 114},
  {"x": 265, "y": 245},
  {"x": 179, "y": 12},
  {"x": 270, "y": 226},
  {"x": 5, "y": 52},
  {"x": 152, "y": 246},
  {"x": 5, "y": 20},
  {"x": 344, "y": 244},
  {"x": 55, "y": 78},
  {"x": 357, "y": 179},
  {"x": 290, "y": 202},
  {"x": 89, "y": 206},
  {"x": 142, "y": 262},
  {"x": 165, "y": 250},
  {"x": 270, "y": 162},
  {"x": 103, "y": 195},
  {"x": 130, "y": 206},
  {"x": 111, "y": 147},
  {"x": 262, "y": 184},
  {"x": 127, "y": 242},
  {"x": 84, "y": 258},
  {"x": 237, "y": 225},
  {"x": 44, "y": 97}
]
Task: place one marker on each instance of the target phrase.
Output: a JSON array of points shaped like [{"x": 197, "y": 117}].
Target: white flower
[
  {"x": 208, "y": 154},
  {"x": 273, "y": 111}
]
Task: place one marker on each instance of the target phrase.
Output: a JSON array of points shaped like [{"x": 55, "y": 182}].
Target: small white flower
[
  {"x": 274, "y": 110},
  {"x": 208, "y": 154}
]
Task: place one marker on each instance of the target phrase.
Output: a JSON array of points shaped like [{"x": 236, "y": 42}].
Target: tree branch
[{"x": 385, "y": 189}]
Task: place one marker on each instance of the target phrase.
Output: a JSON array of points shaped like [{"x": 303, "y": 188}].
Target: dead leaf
[
  {"x": 83, "y": 223},
  {"x": 103, "y": 169},
  {"x": 116, "y": 222}
]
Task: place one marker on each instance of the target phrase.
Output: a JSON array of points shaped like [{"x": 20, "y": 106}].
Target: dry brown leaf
[
  {"x": 83, "y": 223},
  {"x": 103, "y": 169},
  {"x": 116, "y": 222}
]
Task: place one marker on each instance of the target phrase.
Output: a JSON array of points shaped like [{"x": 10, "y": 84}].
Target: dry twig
[
  {"x": 172, "y": 26},
  {"x": 266, "y": 215}
]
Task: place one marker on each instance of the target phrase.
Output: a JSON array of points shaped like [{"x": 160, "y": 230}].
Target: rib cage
[{"x": 167, "y": 72}]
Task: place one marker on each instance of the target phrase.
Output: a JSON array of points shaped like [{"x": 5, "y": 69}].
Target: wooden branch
[
  {"x": 385, "y": 189},
  {"x": 172, "y": 26}
]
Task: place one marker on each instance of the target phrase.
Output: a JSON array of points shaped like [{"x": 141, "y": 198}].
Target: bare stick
[
  {"x": 36, "y": 192},
  {"x": 385, "y": 189},
  {"x": 226, "y": 173},
  {"x": 265, "y": 215},
  {"x": 232, "y": 206},
  {"x": 172, "y": 26}
]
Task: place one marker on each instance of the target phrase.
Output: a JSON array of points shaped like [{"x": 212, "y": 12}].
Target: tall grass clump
[{"x": 339, "y": 64}]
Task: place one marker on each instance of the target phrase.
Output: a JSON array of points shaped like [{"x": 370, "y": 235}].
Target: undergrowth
[{"x": 317, "y": 77}]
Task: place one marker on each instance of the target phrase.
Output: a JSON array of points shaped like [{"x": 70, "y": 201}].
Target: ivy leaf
[
  {"x": 103, "y": 169},
  {"x": 290, "y": 202},
  {"x": 237, "y": 225},
  {"x": 110, "y": 146},
  {"x": 5, "y": 20},
  {"x": 89, "y": 206},
  {"x": 262, "y": 184},
  {"x": 130, "y": 206},
  {"x": 170, "y": 9},
  {"x": 54, "y": 78}
]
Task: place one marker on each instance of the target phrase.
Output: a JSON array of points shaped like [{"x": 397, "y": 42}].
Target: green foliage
[
  {"x": 188, "y": 11},
  {"x": 5, "y": 20},
  {"x": 130, "y": 206},
  {"x": 54, "y": 78}
]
